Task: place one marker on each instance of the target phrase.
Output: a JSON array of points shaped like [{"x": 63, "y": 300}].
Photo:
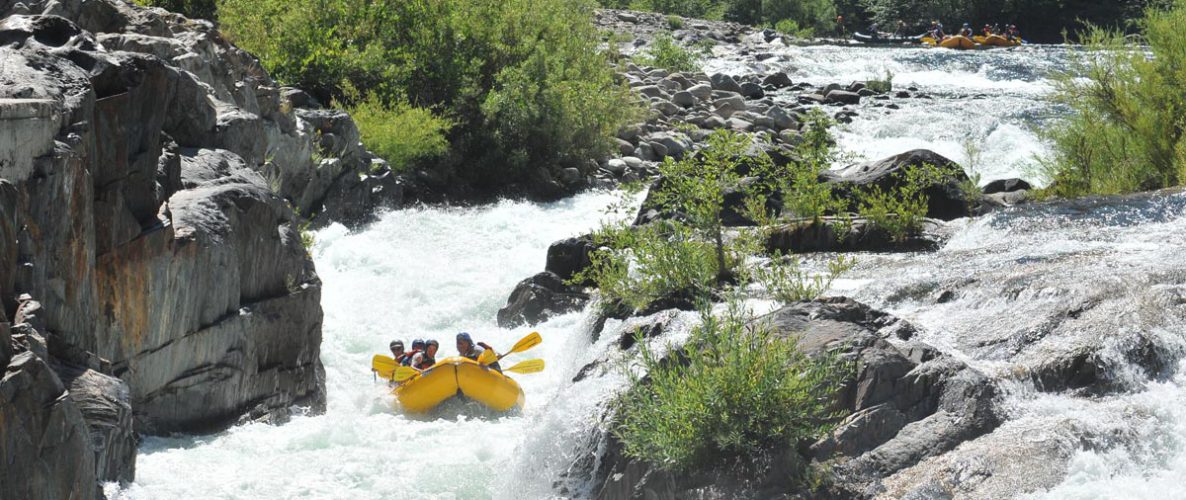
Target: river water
[{"x": 433, "y": 272}]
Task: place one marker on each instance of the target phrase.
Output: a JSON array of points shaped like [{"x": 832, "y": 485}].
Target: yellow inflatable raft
[
  {"x": 459, "y": 376},
  {"x": 997, "y": 41},
  {"x": 957, "y": 42}
]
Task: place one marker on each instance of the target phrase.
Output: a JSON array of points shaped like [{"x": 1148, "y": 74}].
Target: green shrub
[
  {"x": 675, "y": 22},
  {"x": 697, "y": 188},
  {"x": 735, "y": 390},
  {"x": 791, "y": 27},
  {"x": 665, "y": 53},
  {"x": 703, "y": 9},
  {"x": 901, "y": 212},
  {"x": 1127, "y": 130},
  {"x": 650, "y": 263},
  {"x": 402, "y": 134},
  {"x": 521, "y": 81},
  {"x": 882, "y": 86},
  {"x": 787, "y": 282}
]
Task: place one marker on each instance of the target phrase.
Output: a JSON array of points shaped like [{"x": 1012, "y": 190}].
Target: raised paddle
[
  {"x": 529, "y": 366},
  {"x": 531, "y": 340},
  {"x": 384, "y": 365}
]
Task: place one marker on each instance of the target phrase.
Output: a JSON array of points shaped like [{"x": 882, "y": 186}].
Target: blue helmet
[
  {"x": 465, "y": 336},
  {"x": 418, "y": 344}
]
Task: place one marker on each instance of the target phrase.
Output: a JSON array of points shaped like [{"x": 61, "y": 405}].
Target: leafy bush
[
  {"x": 400, "y": 135},
  {"x": 702, "y": 9},
  {"x": 1127, "y": 131},
  {"x": 649, "y": 263},
  {"x": 791, "y": 27},
  {"x": 901, "y": 212},
  {"x": 883, "y": 85},
  {"x": 811, "y": 16},
  {"x": 787, "y": 282},
  {"x": 675, "y": 22},
  {"x": 665, "y": 53},
  {"x": 734, "y": 390},
  {"x": 697, "y": 187},
  {"x": 521, "y": 80},
  {"x": 803, "y": 193}
]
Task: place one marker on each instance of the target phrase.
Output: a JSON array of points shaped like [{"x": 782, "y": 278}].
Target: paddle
[
  {"x": 404, "y": 373},
  {"x": 531, "y": 340},
  {"x": 385, "y": 366},
  {"x": 529, "y": 366}
]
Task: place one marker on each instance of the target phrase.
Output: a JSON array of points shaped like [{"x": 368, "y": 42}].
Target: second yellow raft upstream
[{"x": 459, "y": 376}]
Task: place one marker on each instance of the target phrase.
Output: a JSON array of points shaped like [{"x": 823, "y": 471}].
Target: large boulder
[
  {"x": 947, "y": 199},
  {"x": 725, "y": 83},
  {"x": 905, "y": 402},
  {"x": 105, "y": 404},
  {"x": 570, "y": 256},
  {"x": 853, "y": 235},
  {"x": 44, "y": 442},
  {"x": 537, "y": 298}
]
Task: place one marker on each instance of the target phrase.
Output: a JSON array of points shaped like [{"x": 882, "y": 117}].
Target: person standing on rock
[{"x": 467, "y": 348}]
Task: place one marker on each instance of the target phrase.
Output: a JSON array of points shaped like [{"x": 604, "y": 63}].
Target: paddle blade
[
  {"x": 526, "y": 343},
  {"x": 404, "y": 373},
  {"x": 384, "y": 365},
  {"x": 487, "y": 357},
  {"x": 529, "y": 366}
]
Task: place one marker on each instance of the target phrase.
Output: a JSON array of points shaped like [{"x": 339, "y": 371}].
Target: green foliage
[
  {"x": 702, "y": 9},
  {"x": 1127, "y": 131},
  {"x": 400, "y": 135},
  {"x": 791, "y": 27},
  {"x": 675, "y": 22},
  {"x": 521, "y": 81},
  {"x": 883, "y": 85},
  {"x": 689, "y": 257},
  {"x": 649, "y": 263},
  {"x": 901, "y": 212},
  {"x": 811, "y": 16},
  {"x": 697, "y": 187},
  {"x": 308, "y": 238},
  {"x": 787, "y": 282},
  {"x": 197, "y": 9},
  {"x": 735, "y": 390},
  {"x": 803, "y": 193},
  {"x": 1046, "y": 19},
  {"x": 665, "y": 53}
]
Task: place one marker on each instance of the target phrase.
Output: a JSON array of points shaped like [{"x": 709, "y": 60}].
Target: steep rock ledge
[{"x": 152, "y": 183}]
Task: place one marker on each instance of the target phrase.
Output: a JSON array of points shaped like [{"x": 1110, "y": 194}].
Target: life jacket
[
  {"x": 406, "y": 360},
  {"x": 426, "y": 361}
]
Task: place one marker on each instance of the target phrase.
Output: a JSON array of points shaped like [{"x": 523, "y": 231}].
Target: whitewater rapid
[
  {"x": 982, "y": 108},
  {"x": 432, "y": 272},
  {"x": 416, "y": 273}
]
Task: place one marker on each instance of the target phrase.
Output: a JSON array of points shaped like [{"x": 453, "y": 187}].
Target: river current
[{"x": 432, "y": 272}]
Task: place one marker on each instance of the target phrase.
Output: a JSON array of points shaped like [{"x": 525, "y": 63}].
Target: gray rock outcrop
[{"x": 153, "y": 180}]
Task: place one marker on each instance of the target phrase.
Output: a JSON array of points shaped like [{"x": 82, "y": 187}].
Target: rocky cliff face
[{"x": 152, "y": 183}]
